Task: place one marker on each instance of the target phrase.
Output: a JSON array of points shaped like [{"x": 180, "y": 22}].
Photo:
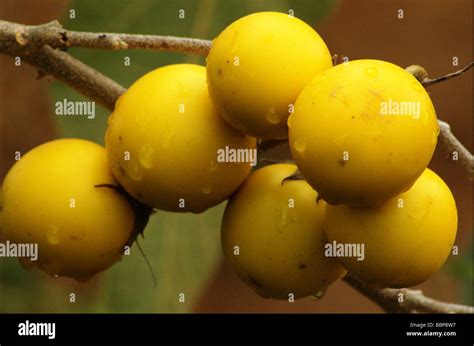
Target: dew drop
[
  {"x": 283, "y": 217},
  {"x": 52, "y": 234},
  {"x": 212, "y": 166},
  {"x": 282, "y": 222},
  {"x": 141, "y": 118},
  {"x": 300, "y": 144},
  {"x": 206, "y": 189},
  {"x": 166, "y": 138},
  {"x": 134, "y": 171},
  {"x": 272, "y": 116},
  {"x": 183, "y": 90},
  {"x": 371, "y": 72},
  {"x": 145, "y": 156},
  {"x": 318, "y": 295}
]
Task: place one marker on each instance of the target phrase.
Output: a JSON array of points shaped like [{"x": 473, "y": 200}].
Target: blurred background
[{"x": 184, "y": 250}]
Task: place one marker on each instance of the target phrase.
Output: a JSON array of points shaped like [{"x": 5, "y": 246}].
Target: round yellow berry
[
  {"x": 50, "y": 199},
  {"x": 405, "y": 240},
  {"x": 363, "y": 132},
  {"x": 257, "y": 67},
  {"x": 169, "y": 148},
  {"x": 272, "y": 236}
]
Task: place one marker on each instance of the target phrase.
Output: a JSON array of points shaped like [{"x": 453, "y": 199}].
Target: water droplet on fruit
[
  {"x": 145, "y": 156},
  {"x": 166, "y": 138},
  {"x": 272, "y": 116},
  {"x": 52, "y": 234},
  {"x": 318, "y": 295},
  {"x": 283, "y": 217},
  {"x": 212, "y": 166},
  {"x": 141, "y": 117},
  {"x": 134, "y": 171},
  {"x": 183, "y": 90},
  {"x": 371, "y": 72},
  {"x": 288, "y": 121},
  {"x": 300, "y": 144},
  {"x": 206, "y": 189}
]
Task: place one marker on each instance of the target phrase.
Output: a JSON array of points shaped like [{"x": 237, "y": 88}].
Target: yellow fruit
[
  {"x": 272, "y": 236},
  {"x": 405, "y": 240},
  {"x": 363, "y": 132},
  {"x": 49, "y": 199},
  {"x": 257, "y": 67},
  {"x": 164, "y": 138}
]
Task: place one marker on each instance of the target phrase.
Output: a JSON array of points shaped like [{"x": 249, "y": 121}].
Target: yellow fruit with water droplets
[
  {"x": 165, "y": 138},
  {"x": 273, "y": 237},
  {"x": 405, "y": 240},
  {"x": 49, "y": 198},
  {"x": 363, "y": 132},
  {"x": 258, "y": 65}
]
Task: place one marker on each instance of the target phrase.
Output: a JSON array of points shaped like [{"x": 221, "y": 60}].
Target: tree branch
[
  {"x": 36, "y": 45},
  {"x": 81, "y": 77},
  {"x": 464, "y": 158},
  {"x": 33, "y": 37},
  {"x": 413, "y": 301}
]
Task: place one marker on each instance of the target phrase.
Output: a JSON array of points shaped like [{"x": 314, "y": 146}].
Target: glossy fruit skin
[
  {"x": 173, "y": 155},
  {"x": 281, "y": 249},
  {"x": 347, "y": 148},
  {"x": 405, "y": 245},
  {"x": 277, "y": 56},
  {"x": 76, "y": 238}
]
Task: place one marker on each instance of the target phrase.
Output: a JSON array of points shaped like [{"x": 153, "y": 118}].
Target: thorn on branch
[
  {"x": 20, "y": 37},
  {"x": 118, "y": 43}
]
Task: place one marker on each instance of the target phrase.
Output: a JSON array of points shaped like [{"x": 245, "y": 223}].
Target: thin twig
[
  {"x": 430, "y": 81},
  {"x": 405, "y": 300},
  {"x": 32, "y": 37}
]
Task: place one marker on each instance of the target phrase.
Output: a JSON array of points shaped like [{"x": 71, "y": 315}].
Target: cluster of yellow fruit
[{"x": 361, "y": 133}]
